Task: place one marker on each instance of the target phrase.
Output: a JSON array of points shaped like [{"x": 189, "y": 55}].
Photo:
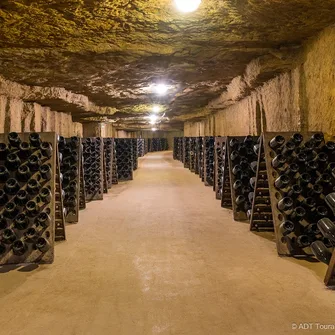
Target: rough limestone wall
[
  {"x": 319, "y": 82},
  {"x": 19, "y": 116}
]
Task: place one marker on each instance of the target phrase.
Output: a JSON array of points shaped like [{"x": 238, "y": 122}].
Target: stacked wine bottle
[
  {"x": 108, "y": 152},
  {"x": 93, "y": 168},
  {"x": 186, "y": 152},
  {"x": 70, "y": 150},
  {"x": 178, "y": 148},
  {"x": 135, "y": 153},
  {"x": 302, "y": 177},
  {"x": 140, "y": 147},
  {"x": 158, "y": 144},
  {"x": 209, "y": 160},
  {"x": 114, "y": 165},
  {"x": 192, "y": 144},
  {"x": 219, "y": 155},
  {"x": 27, "y": 204},
  {"x": 124, "y": 154},
  {"x": 243, "y": 154},
  {"x": 200, "y": 154}
]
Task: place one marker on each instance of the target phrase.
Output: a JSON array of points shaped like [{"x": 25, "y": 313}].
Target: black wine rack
[
  {"x": 82, "y": 197},
  {"x": 140, "y": 147},
  {"x": 226, "y": 198},
  {"x": 146, "y": 146},
  {"x": 220, "y": 143},
  {"x": 178, "y": 148},
  {"x": 208, "y": 160},
  {"x": 200, "y": 157},
  {"x": 192, "y": 153},
  {"x": 135, "y": 153},
  {"x": 108, "y": 158},
  {"x": 124, "y": 154},
  {"x": 240, "y": 156},
  {"x": 60, "y": 210},
  {"x": 93, "y": 168},
  {"x": 157, "y": 144},
  {"x": 300, "y": 168},
  {"x": 27, "y": 193},
  {"x": 114, "y": 166},
  {"x": 71, "y": 153}
]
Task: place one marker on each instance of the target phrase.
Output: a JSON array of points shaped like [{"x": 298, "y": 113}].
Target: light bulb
[
  {"x": 161, "y": 89},
  {"x": 156, "y": 109},
  {"x": 187, "y": 6},
  {"x": 153, "y": 129},
  {"x": 153, "y": 119}
]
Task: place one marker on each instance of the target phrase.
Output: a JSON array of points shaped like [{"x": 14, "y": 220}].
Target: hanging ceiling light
[
  {"x": 156, "y": 109},
  {"x": 187, "y": 6},
  {"x": 153, "y": 119},
  {"x": 153, "y": 129},
  {"x": 161, "y": 89}
]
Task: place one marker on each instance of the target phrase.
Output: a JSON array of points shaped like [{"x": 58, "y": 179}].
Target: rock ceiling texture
[{"x": 112, "y": 51}]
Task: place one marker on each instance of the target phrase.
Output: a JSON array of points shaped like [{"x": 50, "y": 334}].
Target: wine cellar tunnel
[{"x": 167, "y": 167}]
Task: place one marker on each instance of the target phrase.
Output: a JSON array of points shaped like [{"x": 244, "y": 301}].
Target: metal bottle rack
[
  {"x": 192, "y": 153},
  {"x": 226, "y": 199},
  {"x": 208, "y": 160},
  {"x": 135, "y": 153},
  {"x": 114, "y": 166},
  {"x": 30, "y": 238},
  {"x": 186, "y": 152},
  {"x": 108, "y": 159},
  {"x": 140, "y": 147}
]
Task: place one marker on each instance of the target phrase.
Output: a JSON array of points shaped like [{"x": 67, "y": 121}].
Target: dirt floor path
[{"x": 160, "y": 256}]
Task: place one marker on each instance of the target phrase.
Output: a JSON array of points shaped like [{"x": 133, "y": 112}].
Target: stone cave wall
[{"x": 301, "y": 99}]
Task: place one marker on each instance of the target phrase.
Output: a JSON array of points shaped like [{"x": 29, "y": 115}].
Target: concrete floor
[{"x": 159, "y": 256}]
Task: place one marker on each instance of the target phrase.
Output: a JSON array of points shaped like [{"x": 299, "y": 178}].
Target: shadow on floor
[{"x": 18, "y": 267}]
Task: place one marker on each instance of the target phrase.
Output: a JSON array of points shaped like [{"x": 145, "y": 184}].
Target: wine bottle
[
  {"x": 4, "y": 151},
  {"x": 23, "y": 173},
  {"x": 278, "y": 161},
  {"x": 304, "y": 179},
  {"x": 237, "y": 185},
  {"x": 240, "y": 200},
  {"x": 309, "y": 146},
  {"x": 8, "y": 236},
  {"x": 13, "y": 162},
  {"x": 11, "y": 186},
  {"x": 291, "y": 169},
  {"x": 251, "y": 197},
  {"x": 33, "y": 186},
  {"x": 297, "y": 139},
  {"x": 285, "y": 205},
  {"x": 246, "y": 190},
  {"x": 308, "y": 203},
  {"x": 31, "y": 234},
  {"x": 324, "y": 179},
  {"x": 45, "y": 171},
  {"x": 74, "y": 172},
  {"x": 74, "y": 142},
  {"x": 25, "y": 150},
  {"x": 43, "y": 220},
  {"x": 3, "y": 222},
  {"x": 45, "y": 195},
  {"x": 19, "y": 248},
  {"x": 286, "y": 228},
  {"x": 322, "y": 159},
  {"x": 35, "y": 140},
  {"x": 3, "y": 197},
  {"x": 318, "y": 138},
  {"x": 2, "y": 249},
  {"x": 61, "y": 143},
  {"x": 328, "y": 147},
  {"x": 297, "y": 214},
  {"x": 14, "y": 139},
  {"x": 312, "y": 168},
  {"x": 330, "y": 201},
  {"x": 21, "y": 198},
  {"x": 312, "y": 230},
  {"x": 71, "y": 202},
  {"x": 21, "y": 222},
  {"x": 256, "y": 149},
  {"x": 42, "y": 244},
  {"x": 32, "y": 208},
  {"x": 282, "y": 182},
  {"x": 319, "y": 213},
  {"x": 327, "y": 229},
  {"x": 34, "y": 163},
  {"x": 46, "y": 149},
  {"x": 321, "y": 252},
  {"x": 277, "y": 142},
  {"x": 253, "y": 166},
  {"x": 252, "y": 182},
  {"x": 4, "y": 174},
  {"x": 303, "y": 241},
  {"x": 288, "y": 148},
  {"x": 301, "y": 159},
  {"x": 237, "y": 170},
  {"x": 315, "y": 191}
]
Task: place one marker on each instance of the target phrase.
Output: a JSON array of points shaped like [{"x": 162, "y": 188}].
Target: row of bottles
[
  {"x": 108, "y": 152},
  {"x": 124, "y": 154},
  {"x": 209, "y": 160}
]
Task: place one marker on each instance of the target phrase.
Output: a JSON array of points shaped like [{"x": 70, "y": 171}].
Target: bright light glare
[
  {"x": 187, "y": 6},
  {"x": 156, "y": 109},
  {"x": 161, "y": 89},
  {"x": 153, "y": 129},
  {"x": 153, "y": 119}
]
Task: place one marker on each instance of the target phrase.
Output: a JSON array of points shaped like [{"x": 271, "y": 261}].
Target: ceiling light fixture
[
  {"x": 156, "y": 109},
  {"x": 153, "y": 129},
  {"x": 187, "y": 6},
  {"x": 153, "y": 119},
  {"x": 161, "y": 89}
]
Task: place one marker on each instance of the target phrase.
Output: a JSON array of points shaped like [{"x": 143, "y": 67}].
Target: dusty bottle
[
  {"x": 45, "y": 171},
  {"x": 3, "y": 197},
  {"x": 33, "y": 186},
  {"x": 46, "y": 149},
  {"x": 286, "y": 228},
  {"x": 10, "y": 210},
  {"x": 297, "y": 139},
  {"x": 8, "y": 236},
  {"x": 23, "y": 173},
  {"x": 321, "y": 252},
  {"x": 25, "y": 150},
  {"x": 282, "y": 182},
  {"x": 288, "y": 148},
  {"x": 238, "y": 184},
  {"x": 19, "y": 248},
  {"x": 13, "y": 162},
  {"x": 327, "y": 229},
  {"x": 330, "y": 201},
  {"x": 277, "y": 142},
  {"x": 297, "y": 214},
  {"x": 14, "y": 139},
  {"x": 303, "y": 241},
  {"x": 291, "y": 169},
  {"x": 42, "y": 244},
  {"x": 35, "y": 140},
  {"x": 21, "y": 198},
  {"x": 21, "y": 222},
  {"x": 318, "y": 138},
  {"x": 61, "y": 143},
  {"x": 285, "y": 205},
  {"x": 4, "y": 174},
  {"x": 3, "y": 222},
  {"x": 34, "y": 162},
  {"x": 11, "y": 186},
  {"x": 32, "y": 208},
  {"x": 43, "y": 220},
  {"x": 45, "y": 195},
  {"x": 4, "y": 151},
  {"x": 278, "y": 161},
  {"x": 304, "y": 179}
]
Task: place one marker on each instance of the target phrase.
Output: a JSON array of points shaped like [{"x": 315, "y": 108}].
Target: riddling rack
[
  {"x": 178, "y": 148},
  {"x": 27, "y": 197},
  {"x": 226, "y": 199},
  {"x": 208, "y": 148},
  {"x": 200, "y": 157},
  {"x": 300, "y": 175},
  {"x": 241, "y": 159},
  {"x": 93, "y": 168},
  {"x": 140, "y": 147},
  {"x": 186, "y": 152},
  {"x": 70, "y": 166},
  {"x": 158, "y": 144},
  {"x": 124, "y": 154},
  {"x": 192, "y": 152},
  {"x": 108, "y": 156},
  {"x": 220, "y": 143},
  {"x": 114, "y": 165},
  {"x": 135, "y": 154}
]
